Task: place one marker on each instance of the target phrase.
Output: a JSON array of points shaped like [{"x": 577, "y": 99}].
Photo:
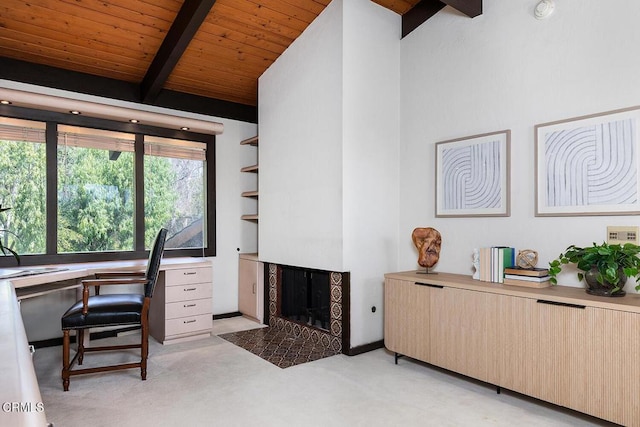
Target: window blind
[
  {"x": 179, "y": 149},
  {"x": 71, "y": 136},
  {"x": 22, "y": 130}
]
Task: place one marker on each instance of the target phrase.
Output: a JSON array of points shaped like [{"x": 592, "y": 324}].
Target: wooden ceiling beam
[
  {"x": 425, "y": 9},
  {"x": 419, "y": 13},
  {"x": 191, "y": 15},
  {"x": 471, "y": 8}
]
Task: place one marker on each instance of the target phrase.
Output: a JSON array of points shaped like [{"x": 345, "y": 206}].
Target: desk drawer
[
  {"x": 196, "y": 307},
  {"x": 188, "y": 275},
  {"x": 188, "y": 324},
  {"x": 188, "y": 292}
]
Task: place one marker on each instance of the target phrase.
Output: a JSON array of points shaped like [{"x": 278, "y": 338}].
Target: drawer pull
[
  {"x": 189, "y": 289},
  {"x": 189, "y": 305},
  {"x": 563, "y": 304},
  {"x": 189, "y": 321},
  {"x": 429, "y": 285},
  {"x": 190, "y": 273}
]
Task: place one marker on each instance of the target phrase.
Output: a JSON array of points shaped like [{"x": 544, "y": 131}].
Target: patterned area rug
[{"x": 278, "y": 347}]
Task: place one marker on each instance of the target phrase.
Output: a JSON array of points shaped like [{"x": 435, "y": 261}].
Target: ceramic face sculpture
[{"x": 427, "y": 241}]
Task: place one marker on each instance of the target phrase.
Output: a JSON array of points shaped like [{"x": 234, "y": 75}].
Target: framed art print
[
  {"x": 472, "y": 176},
  {"x": 588, "y": 165}
]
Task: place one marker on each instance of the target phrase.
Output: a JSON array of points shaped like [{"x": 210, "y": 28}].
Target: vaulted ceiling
[{"x": 161, "y": 52}]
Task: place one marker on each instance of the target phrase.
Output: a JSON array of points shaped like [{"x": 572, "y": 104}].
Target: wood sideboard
[{"x": 557, "y": 344}]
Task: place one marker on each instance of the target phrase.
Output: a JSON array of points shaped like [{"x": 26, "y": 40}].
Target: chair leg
[
  {"x": 65, "y": 360},
  {"x": 144, "y": 349},
  {"x": 80, "y": 339}
]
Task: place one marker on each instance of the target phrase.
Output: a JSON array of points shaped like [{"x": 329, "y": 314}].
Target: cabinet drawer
[
  {"x": 188, "y": 324},
  {"x": 188, "y": 275},
  {"x": 188, "y": 308},
  {"x": 188, "y": 292}
]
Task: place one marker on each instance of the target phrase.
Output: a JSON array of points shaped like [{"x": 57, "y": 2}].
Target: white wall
[
  {"x": 371, "y": 107},
  {"x": 233, "y": 235},
  {"x": 41, "y": 315},
  {"x": 507, "y": 70},
  {"x": 329, "y": 121},
  {"x": 300, "y": 116}
]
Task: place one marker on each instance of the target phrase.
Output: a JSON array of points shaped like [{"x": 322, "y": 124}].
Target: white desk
[{"x": 19, "y": 384}]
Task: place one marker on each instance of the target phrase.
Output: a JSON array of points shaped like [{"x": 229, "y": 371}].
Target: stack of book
[
  {"x": 493, "y": 261},
  {"x": 529, "y": 277}
]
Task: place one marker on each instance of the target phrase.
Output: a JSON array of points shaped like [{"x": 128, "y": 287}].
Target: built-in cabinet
[
  {"x": 182, "y": 304},
  {"x": 251, "y": 286},
  {"x": 253, "y": 168},
  {"x": 556, "y": 344}
]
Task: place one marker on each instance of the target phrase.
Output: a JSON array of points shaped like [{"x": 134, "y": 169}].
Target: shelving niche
[
  {"x": 250, "y": 169},
  {"x": 250, "y": 270}
]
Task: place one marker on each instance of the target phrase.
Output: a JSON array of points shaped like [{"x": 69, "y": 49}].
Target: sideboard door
[{"x": 406, "y": 320}]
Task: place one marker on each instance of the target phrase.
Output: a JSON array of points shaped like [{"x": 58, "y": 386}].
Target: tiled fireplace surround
[{"x": 337, "y": 338}]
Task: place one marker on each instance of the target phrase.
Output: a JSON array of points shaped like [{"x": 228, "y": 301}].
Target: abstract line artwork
[
  {"x": 472, "y": 176},
  {"x": 588, "y": 166}
]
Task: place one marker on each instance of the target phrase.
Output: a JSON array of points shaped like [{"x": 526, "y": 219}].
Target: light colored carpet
[{"x": 211, "y": 382}]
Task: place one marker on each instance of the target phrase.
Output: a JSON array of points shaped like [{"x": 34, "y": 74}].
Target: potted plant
[
  {"x": 4, "y": 249},
  {"x": 605, "y": 268}
]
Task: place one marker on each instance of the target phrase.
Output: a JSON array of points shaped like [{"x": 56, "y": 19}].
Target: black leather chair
[{"x": 112, "y": 310}]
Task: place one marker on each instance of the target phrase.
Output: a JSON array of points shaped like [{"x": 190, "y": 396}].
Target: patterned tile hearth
[{"x": 278, "y": 347}]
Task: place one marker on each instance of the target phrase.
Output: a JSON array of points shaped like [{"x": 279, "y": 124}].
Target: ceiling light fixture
[
  {"x": 76, "y": 112},
  {"x": 5, "y": 102},
  {"x": 544, "y": 8},
  {"x": 134, "y": 121},
  {"x": 184, "y": 128},
  {"x": 104, "y": 109}
]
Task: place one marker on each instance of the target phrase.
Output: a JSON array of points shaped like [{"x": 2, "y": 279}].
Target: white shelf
[
  {"x": 251, "y": 169},
  {"x": 250, "y": 141}
]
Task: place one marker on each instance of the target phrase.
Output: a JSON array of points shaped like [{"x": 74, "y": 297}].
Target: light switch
[{"x": 622, "y": 234}]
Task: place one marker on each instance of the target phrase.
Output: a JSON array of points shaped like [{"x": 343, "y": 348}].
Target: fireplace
[
  {"x": 305, "y": 297},
  {"x": 310, "y": 303}
]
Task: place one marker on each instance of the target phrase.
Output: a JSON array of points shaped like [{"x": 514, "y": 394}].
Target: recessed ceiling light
[
  {"x": 184, "y": 128},
  {"x": 5, "y": 102},
  {"x": 134, "y": 121},
  {"x": 76, "y": 112}
]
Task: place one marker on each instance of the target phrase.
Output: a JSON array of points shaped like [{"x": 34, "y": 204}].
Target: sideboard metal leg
[{"x": 398, "y": 356}]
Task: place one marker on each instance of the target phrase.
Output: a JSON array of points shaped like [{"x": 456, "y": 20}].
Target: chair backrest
[{"x": 153, "y": 265}]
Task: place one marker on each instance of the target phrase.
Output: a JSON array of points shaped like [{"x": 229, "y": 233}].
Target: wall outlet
[{"x": 622, "y": 234}]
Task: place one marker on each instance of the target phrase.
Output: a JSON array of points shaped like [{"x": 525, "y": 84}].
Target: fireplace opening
[{"x": 306, "y": 297}]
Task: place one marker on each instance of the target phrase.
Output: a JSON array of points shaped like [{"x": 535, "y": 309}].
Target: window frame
[{"x": 52, "y": 120}]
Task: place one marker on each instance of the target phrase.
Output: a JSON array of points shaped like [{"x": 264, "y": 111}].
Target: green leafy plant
[
  {"x": 609, "y": 260},
  {"x": 4, "y": 248}
]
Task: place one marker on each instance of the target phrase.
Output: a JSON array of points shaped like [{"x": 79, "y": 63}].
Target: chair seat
[{"x": 105, "y": 310}]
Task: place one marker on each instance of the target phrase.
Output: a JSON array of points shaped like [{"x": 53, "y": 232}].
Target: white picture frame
[
  {"x": 473, "y": 176},
  {"x": 589, "y": 165}
]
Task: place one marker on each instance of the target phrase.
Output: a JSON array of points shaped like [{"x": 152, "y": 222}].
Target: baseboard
[
  {"x": 354, "y": 351},
  {"x": 54, "y": 342}
]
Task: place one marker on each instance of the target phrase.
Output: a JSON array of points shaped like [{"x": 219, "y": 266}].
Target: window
[
  {"x": 84, "y": 189},
  {"x": 95, "y": 190},
  {"x": 23, "y": 189},
  {"x": 174, "y": 191}
]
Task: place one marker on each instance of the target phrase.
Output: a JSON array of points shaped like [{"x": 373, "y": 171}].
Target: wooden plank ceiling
[{"x": 217, "y": 51}]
